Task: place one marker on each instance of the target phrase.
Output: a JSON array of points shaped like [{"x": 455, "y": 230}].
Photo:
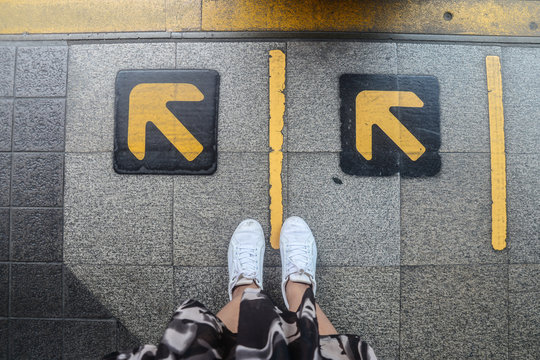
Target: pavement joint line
[
  {"x": 38, "y": 207},
  {"x": 277, "y": 78},
  {"x": 498, "y": 159},
  {"x": 6, "y": 262},
  {"x": 263, "y": 36},
  {"x": 110, "y": 320},
  {"x": 10, "y": 231},
  {"x": 266, "y": 266},
  {"x": 172, "y": 226},
  {"x": 37, "y": 152},
  {"x": 32, "y": 97},
  {"x": 507, "y": 307}
]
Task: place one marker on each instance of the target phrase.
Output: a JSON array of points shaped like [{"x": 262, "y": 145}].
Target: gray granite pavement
[
  {"x": 461, "y": 72},
  {"x": 91, "y": 81},
  {"x": 243, "y": 92},
  {"x": 447, "y": 219},
  {"x": 454, "y": 312},
  {"x": 520, "y": 71},
  {"x": 313, "y": 70},
  {"x": 407, "y": 264},
  {"x": 524, "y": 311}
]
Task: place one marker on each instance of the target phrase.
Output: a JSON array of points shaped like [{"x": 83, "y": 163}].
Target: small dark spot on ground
[
  {"x": 448, "y": 16},
  {"x": 533, "y": 26},
  {"x": 337, "y": 180}
]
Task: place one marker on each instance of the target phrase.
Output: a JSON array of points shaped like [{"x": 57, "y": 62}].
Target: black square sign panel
[
  {"x": 166, "y": 122},
  {"x": 390, "y": 124}
]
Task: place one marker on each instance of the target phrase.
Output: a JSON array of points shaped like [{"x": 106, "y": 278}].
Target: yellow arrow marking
[
  {"x": 147, "y": 103},
  {"x": 373, "y": 108}
]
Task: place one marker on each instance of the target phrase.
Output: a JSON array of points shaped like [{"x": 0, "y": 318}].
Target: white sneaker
[
  {"x": 298, "y": 254},
  {"x": 246, "y": 255}
]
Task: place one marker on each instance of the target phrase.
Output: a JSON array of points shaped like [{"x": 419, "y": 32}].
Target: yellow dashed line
[
  {"x": 498, "y": 159},
  {"x": 275, "y": 135}
]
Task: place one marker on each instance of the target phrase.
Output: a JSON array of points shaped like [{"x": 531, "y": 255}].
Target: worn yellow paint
[
  {"x": 373, "y": 108},
  {"x": 275, "y": 135},
  {"x": 183, "y": 15},
  {"x": 480, "y": 17},
  {"x": 147, "y": 103},
  {"x": 76, "y": 16},
  {"x": 498, "y": 158}
]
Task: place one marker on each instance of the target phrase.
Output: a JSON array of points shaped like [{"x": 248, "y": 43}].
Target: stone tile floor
[{"x": 92, "y": 261}]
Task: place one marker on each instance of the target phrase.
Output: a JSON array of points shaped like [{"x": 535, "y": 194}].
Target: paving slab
[
  {"x": 38, "y": 125},
  {"x": 36, "y": 290},
  {"x": 520, "y": 71},
  {"x": 363, "y": 301},
  {"x": 4, "y": 338},
  {"x": 4, "y": 289},
  {"x": 6, "y": 120},
  {"x": 5, "y": 178},
  {"x": 312, "y": 90},
  {"x": 88, "y": 339},
  {"x": 7, "y": 70},
  {"x": 141, "y": 297},
  {"x": 35, "y": 339},
  {"x": 4, "y": 234},
  {"x": 454, "y": 312},
  {"x": 37, "y": 179},
  {"x": 206, "y": 284},
  {"x": 461, "y": 71},
  {"x": 243, "y": 92},
  {"x": 125, "y": 339},
  {"x": 447, "y": 219},
  {"x": 91, "y": 88},
  {"x": 355, "y": 220},
  {"x": 207, "y": 209},
  {"x": 37, "y": 235},
  {"x": 41, "y": 71},
  {"x": 79, "y": 302},
  {"x": 523, "y": 186},
  {"x": 524, "y": 311},
  {"x": 115, "y": 219}
]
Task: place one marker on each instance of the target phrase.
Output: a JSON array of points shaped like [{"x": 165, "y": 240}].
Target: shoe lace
[
  {"x": 247, "y": 264},
  {"x": 298, "y": 258}
]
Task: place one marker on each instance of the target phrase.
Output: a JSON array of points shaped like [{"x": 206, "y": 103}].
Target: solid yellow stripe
[
  {"x": 75, "y": 16},
  {"x": 275, "y": 135},
  {"x": 478, "y": 17},
  {"x": 498, "y": 159}
]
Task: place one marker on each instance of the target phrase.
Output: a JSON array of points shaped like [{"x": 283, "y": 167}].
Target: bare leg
[
  {"x": 231, "y": 312},
  {"x": 294, "y": 292}
]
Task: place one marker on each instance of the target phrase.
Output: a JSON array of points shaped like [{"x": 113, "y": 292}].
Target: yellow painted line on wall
[
  {"x": 498, "y": 159},
  {"x": 479, "y": 17},
  {"x": 275, "y": 135}
]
